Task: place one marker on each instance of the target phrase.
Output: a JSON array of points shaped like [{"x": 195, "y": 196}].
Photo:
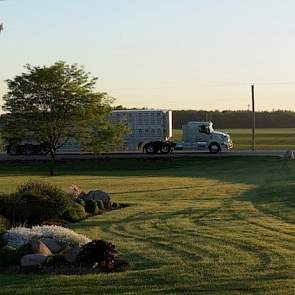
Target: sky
[{"x": 172, "y": 54}]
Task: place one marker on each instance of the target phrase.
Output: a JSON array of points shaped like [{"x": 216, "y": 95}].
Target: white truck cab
[{"x": 202, "y": 136}]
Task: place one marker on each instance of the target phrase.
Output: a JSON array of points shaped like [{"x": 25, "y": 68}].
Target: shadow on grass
[
  {"x": 276, "y": 199},
  {"x": 232, "y": 169}
]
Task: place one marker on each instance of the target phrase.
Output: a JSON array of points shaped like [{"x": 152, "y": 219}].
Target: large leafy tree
[{"x": 56, "y": 104}]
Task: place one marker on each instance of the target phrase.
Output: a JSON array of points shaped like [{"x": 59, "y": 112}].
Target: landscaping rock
[
  {"x": 97, "y": 196},
  {"x": 71, "y": 254},
  {"x": 32, "y": 260},
  {"x": 39, "y": 247},
  {"x": 52, "y": 245},
  {"x": 290, "y": 155}
]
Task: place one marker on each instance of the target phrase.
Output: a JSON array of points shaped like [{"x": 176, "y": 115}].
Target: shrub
[
  {"x": 100, "y": 204},
  {"x": 8, "y": 256},
  {"x": 91, "y": 206},
  {"x": 19, "y": 236},
  {"x": 35, "y": 202},
  {"x": 98, "y": 252},
  {"x": 116, "y": 205},
  {"x": 7, "y": 204},
  {"x": 2, "y": 241},
  {"x": 4, "y": 224},
  {"x": 80, "y": 201},
  {"x": 74, "y": 212}
]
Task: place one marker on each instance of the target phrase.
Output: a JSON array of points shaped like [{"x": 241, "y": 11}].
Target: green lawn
[
  {"x": 202, "y": 226},
  {"x": 266, "y": 139}
]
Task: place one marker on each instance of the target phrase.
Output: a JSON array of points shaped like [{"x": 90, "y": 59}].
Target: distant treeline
[
  {"x": 233, "y": 119},
  {"x": 236, "y": 119}
]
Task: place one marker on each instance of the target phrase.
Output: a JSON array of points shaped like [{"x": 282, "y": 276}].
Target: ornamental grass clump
[{"x": 18, "y": 236}]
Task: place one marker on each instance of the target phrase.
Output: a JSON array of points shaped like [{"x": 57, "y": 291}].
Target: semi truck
[{"x": 150, "y": 132}]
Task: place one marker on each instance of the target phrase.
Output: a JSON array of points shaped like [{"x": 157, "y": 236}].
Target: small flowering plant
[{"x": 75, "y": 190}]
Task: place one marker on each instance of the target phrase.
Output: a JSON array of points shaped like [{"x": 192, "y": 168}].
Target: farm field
[
  {"x": 202, "y": 226},
  {"x": 266, "y": 139}
]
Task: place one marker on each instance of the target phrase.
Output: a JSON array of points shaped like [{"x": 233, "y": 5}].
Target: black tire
[
  {"x": 42, "y": 150},
  {"x": 12, "y": 150},
  {"x": 165, "y": 148},
  {"x": 214, "y": 148},
  {"x": 29, "y": 150},
  {"x": 150, "y": 149}
]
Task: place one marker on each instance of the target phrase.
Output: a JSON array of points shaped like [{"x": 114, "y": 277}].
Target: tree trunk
[{"x": 52, "y": 163}]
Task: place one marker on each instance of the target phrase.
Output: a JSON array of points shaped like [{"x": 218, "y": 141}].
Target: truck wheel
[
  {"x": 165, "y": 148},
  {"x": 12, "y": 150},
  {"x": 214, "y": 148},
  {"x": 150, "y": 149}
]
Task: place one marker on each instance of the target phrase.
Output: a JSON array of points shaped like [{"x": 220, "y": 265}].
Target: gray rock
[
  {"x": 96, "y": 196},
  {"x": 32, "y": 260},
  {"x": 290, "y": 155},
  {"x": 70, "y": 255},
  {"x": 53, "y": 246}
]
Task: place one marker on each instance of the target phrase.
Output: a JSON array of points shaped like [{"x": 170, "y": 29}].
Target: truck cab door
[{"x": 202, "y": 137}]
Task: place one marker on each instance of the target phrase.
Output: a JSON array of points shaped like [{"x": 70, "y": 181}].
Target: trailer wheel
[
  {"x": 29, "y": 150},
  {"x": 214, "y": 148},
  {"x": 165, "y": 148},
  {"x": 150, "y": 149}
]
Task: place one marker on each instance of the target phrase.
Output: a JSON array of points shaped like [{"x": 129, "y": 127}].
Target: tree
[{"x": 56, "y": 104}]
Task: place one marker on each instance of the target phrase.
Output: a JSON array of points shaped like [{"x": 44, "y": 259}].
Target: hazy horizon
[{"x": 161, "y": 54}]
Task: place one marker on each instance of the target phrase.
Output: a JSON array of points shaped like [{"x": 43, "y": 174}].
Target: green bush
[
  {"x": 8, "y": 256},
  {"x": 116, "y": 205},
  {"x": 3, "y": 242},
  {"x": 100, "y": 204},
  {"x": 4, "y": 224},
  {"x": 91, "y": 206},
  {"x": 7, "y": 204},
  {"x": 80, "y": 201},
  {"x": 74, "y": 212},
  {"x": 33, "y": 203}
]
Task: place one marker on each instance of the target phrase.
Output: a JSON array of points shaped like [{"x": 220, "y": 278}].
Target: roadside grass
[
  {"x": 201, "y": 226},
  {"x": 266, "y": 139}
]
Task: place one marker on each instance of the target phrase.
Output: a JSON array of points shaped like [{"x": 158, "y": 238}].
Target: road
[{"x": 125, "y": 155}]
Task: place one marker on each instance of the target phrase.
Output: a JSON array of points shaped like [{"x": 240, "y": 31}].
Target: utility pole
[{"x": 253, "y": 118}]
